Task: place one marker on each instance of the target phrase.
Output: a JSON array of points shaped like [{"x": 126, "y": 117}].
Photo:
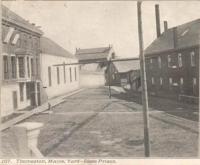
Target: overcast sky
[{"x": 88, "y": 24}]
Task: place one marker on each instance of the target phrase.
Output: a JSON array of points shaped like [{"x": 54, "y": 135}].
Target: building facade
[
  {"x": 57, "y": 80},
  {"x": 21, "y": 63},
  {"x": 94, "y": 63},
  {"x": 125, "y": 74},
  {"x": 172, "y": 63}
]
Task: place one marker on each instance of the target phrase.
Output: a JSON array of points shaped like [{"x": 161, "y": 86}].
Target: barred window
[
  {"x": 192, "y": 59},
  {"x": 180, "y": 63}
]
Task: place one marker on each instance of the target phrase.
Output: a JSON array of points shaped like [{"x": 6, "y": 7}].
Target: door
[{"x": 15, "y": 105}]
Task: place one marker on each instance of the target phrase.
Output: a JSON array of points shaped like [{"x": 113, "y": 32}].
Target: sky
[{"x": 89, "y": 24}]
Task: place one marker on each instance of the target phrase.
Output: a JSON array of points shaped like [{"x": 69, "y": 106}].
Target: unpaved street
[{"x": 89, "y": 124}]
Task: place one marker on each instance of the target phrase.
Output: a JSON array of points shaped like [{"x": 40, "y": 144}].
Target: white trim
[
  {"x": 9, "y": 34},
  {"x": 14, "y": 41}
]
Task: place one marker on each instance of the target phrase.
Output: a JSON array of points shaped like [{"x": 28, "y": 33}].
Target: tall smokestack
[
  {"x": 165, "y": 26},
  {"x": 157, "y": 12}
]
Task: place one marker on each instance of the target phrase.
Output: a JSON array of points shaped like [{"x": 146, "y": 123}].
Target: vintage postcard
[{"x": 99, "y": 82}]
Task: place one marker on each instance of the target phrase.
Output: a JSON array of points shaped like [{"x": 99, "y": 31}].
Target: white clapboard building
[{"x": 57, "y": 80}]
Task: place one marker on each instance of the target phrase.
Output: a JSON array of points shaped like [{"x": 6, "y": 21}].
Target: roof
[
  {"x": 187, "y": 36},
  {"x": 125, "y": 66},
  {"x": 50, "y": 47},
  {"x": 93, "y": 53},
  {"x": 12, "y": 17}
]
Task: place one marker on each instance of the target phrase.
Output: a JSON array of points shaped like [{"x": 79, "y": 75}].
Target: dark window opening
[
  {"x": 13, "y": 67},
  {"x": 58, "y": 75},
  {"x": 21, "y": 67},
  {"x": 49, "y": 75},
  {"x": 5, "y": 66}
]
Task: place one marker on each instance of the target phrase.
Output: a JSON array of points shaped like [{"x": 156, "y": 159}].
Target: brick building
[
  {"x": 21, "y": 63},
  {"x": 172, "y": 61}
]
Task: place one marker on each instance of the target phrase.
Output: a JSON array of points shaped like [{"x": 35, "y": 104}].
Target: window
[
  {"x": 181, "y": 84},
  {"x": 180, "y": 63},
  {"x": 151, "y": 61},
  {"x": 37, "y": 67},
  {"x": 161, "y": 81},
  {"x": 194, "y": 82},
  {"x": 70, "y": 74},
  {"x": 159, "y": 62},
  {"x": 64, "y": 74},
  {"x": 181, "y": 81},
  {"x": 58, "y": 75},
  {"x": 32, "y": 68},
  {"x": 192, "y": 58},
  {"x": 75, "y": 73},
  {"x": 170, "y": 81},
  {"x": 5, "y": 66},
  {"x": 169, "y": 60},
  {"x": 49, "y": 75},
  {"x": 13, "y": 67},
  {"x": 152, "y": 81},
  {"x": 28, "y": 67},
  {"x": 21, "y": 67},
  {"x": 21, "y": 90},
  {"x": 28, "y": 88}
]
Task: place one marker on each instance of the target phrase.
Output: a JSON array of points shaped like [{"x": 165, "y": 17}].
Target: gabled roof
[
  {"x": 187, "y": 36},
  {"x": 93, "y": 53},
  {"x": 126, "y": 66},
  {"x": 10, "y": 16},
  {"x": 50, "y": 47}
]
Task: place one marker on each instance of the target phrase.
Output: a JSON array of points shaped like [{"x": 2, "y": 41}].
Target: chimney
[
  {"x": 175, "y": 37},
  {"x": 157, "y": 12},
  {"x": 165, "y": 26}
]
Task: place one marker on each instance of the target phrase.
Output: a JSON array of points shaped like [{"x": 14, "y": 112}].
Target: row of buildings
[
  {"x": 29, "y": 74},
  {"x": 172, "y": 63}
]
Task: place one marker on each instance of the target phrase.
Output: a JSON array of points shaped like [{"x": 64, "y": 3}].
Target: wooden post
[
  {"x": 1, "y": 75},
  {"x": 143, "y": 83}
]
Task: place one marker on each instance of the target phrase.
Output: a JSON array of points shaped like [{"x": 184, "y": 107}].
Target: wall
[
  {"x": 7, "y": 99},
  {"x": 57, "y": 89},
  {"x": 92, "y": 79},
  {"x": 186, "y": 72}
]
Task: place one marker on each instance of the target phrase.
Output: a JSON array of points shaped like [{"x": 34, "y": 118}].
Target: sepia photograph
[{"x": 99, "y": 79}]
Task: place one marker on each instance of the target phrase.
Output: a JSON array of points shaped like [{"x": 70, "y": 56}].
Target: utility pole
[
  {"x": 143, "y": 83},
  {"x": 1, "y": 73}
]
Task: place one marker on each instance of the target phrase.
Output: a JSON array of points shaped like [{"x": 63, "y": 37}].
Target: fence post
[{"x": 27, "y": 137}]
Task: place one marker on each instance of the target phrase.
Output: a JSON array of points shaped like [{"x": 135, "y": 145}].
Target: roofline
[
  {"x": 91, "y": 49},
  {"x": 170, "y": 50},
  {"x": 50, "y": 54},
  {"x": 6, "y": 21}
]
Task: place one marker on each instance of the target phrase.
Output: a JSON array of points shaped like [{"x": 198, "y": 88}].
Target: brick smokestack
[
  {"x": 175, "y": 37},
  {"x": 165, "y": 26},
  {"x": 157, "y": 12}
]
